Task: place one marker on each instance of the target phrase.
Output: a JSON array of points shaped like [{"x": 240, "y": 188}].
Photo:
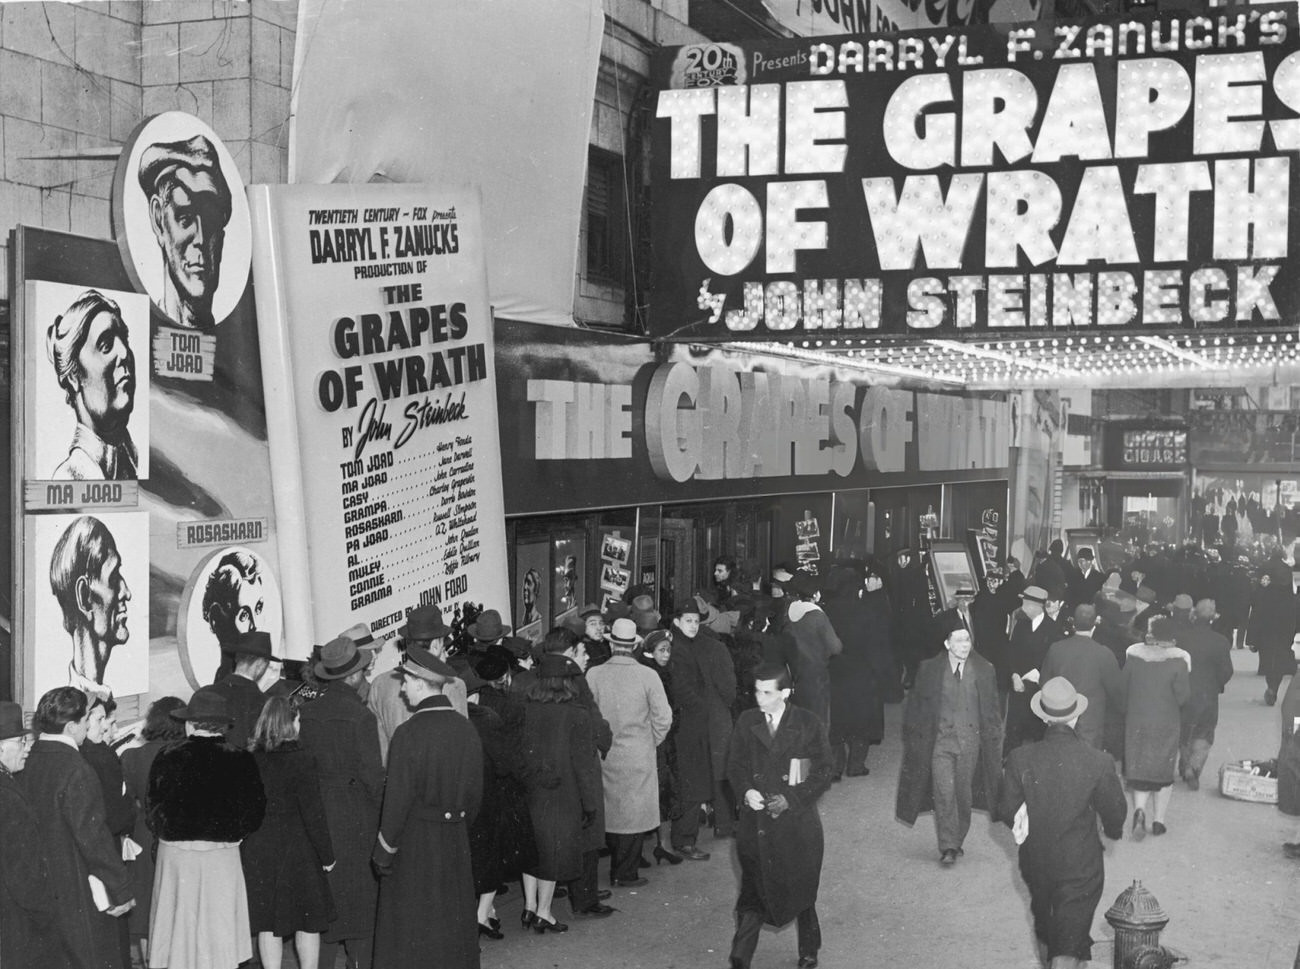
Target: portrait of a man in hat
[
  {"x": 189, "y": 207},
  {"x": 89, "y": 346}
]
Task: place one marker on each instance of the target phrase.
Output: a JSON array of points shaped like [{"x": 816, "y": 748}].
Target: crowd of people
[{"x": 435, "y": 771}]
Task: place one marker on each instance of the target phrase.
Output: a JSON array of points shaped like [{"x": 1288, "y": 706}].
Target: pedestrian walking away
[{"x": 1053, "y": 793}]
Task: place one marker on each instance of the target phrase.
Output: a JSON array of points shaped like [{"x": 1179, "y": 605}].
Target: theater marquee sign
[{"x": 1101, "y": 175}]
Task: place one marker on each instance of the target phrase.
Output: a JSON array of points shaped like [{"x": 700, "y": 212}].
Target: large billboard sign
[{"x": 1044, "y": 179}]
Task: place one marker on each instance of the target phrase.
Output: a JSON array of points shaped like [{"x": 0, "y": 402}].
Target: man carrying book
[{"x": 779, "y": 764}]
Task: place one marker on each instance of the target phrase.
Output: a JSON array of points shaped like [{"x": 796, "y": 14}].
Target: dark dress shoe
[
  {"x": 597, "y": 911},
  {"x": 489, "y": 932},
  {"x": 541, "y": 926},
  {"x": 630, "y": 882},
  {"x": 692, "y": 852},
  {"x": 858, "y": 771},
  {"x": 1139, "y": 824},
  {"x": 527, "y": 918},
  {"x": 807, "y": 962},
  {"x": 1158, "y": 828},
  {"x": 663, "y": 854},
  {"x": 603, "y": 894},
  {"x": 494, "y": 923},
  {"x": 947, "y": 858}
]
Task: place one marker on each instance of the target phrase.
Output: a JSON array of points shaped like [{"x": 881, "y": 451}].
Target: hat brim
[
  {"x": 501, "y": 632},
  {"x": 360, "y": 660},
  {"x": 1036, "y": 705},
  {"x": 438, "y": 632},
  {"x": 625, "y": 643}
]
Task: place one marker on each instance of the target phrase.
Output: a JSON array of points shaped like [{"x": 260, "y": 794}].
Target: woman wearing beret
[
  {"x": 205, "y": 797},
  {"x": 26, "y": 901},
  {"x": 285, "y": 860},
  {"x": 160, "y": 729},
  {"x": 563, "y": 780}
]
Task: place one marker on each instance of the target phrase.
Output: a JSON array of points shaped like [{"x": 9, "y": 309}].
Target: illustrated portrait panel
[
  {"x": 231, "y": 591},
  {"x": 87, "y": 387},
  {"x": 181, "y": 220},
  {"x": 90, "y": 602}
]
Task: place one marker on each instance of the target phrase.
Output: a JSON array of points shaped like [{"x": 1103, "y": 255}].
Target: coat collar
[{"x": 436, "y": 702}]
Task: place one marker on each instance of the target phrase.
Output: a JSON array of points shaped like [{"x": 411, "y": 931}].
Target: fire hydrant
[{"x": 1137, "y": 919}]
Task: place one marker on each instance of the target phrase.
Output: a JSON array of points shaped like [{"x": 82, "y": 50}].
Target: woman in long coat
[
  {"x": 160, "y": 729},
  {"x": 1272, "y": 626},
  {"x": 286, "y": 859},
  {"x": 562, "y": 773},
  {"x": 27, "y": 905},
  {"x": 815, "y": 644},
  {"x": 859, "y": 613},
  {"x": 1156, "y": 685}
]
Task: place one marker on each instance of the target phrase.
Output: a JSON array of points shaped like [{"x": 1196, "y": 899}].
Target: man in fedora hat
[
  {"x": 632, "y": 698},
  {"x": 341, "y": 732},
  {"x": 68, "y": 803},
  {"x": 252, "y": 652},
  {"x": 427, "y": 905},
  {"x": 952, "y": 742},
  {"x": 487, "y": 629},
  {"x": 1053, "y": 792},
  {"x": 424, "y": 629},
  {"x": 1031, "y": 636},
  {"x": 27, "y": 904}
]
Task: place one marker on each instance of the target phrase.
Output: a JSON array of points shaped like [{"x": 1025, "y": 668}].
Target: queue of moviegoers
[{"x": 384, "y": 814}]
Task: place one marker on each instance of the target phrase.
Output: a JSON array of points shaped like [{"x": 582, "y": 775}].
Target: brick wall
[{"x": 79, "y": 77}]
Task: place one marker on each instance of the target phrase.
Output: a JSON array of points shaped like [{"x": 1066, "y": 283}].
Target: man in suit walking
[
  {"x": 952, "y": 742},
  {"x": 1053, "y": 792},
  {"x": 779, "y": 763},
  {"x": 1093, "y": 670}
]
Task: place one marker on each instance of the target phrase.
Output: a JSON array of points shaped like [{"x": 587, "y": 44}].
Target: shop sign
[
  {"x": 1066, "y": 178},
  {"x": 1147, "y": 448},
  {"x": 1237, "y": 438},
  {"x": 600, "y": 422}
]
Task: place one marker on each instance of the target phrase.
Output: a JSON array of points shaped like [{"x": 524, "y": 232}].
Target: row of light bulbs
[{"x": 1045, "y": 359}]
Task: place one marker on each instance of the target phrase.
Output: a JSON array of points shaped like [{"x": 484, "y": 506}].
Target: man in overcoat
[
  {"x": 705, "y": 679},
  {"x": 1053, "y": 792},
  {"x": 952, "y": 743},
  {"x": 779, "y": 763},
  {"x": 1211, "y": 654},
  {"x": 252, "y": 652},
  {"x": 1093, "y": 670},
  {"x": 1031, "y": 636},
  {"x": 427, "y": 907},
  {"x": 631, "y": 698},
  {"x": 341, "y": 732},
  {"x": 68, "y": 802}
]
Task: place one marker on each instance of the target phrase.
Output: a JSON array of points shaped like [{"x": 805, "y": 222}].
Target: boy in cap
[
  {"x": 1053, "y": 793},
  {"x": 427, "y": 907}
]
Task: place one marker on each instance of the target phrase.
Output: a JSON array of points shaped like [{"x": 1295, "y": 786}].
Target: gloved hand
[
  {"x": 777, "y": 805},
  {"x": 588, "y": 819},
  {"x": 382, "y": 861}
]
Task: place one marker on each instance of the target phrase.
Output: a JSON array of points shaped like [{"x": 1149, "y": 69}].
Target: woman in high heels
[
  {"x": 561, "y": 776},
  {"x": 656, "y": 652}
]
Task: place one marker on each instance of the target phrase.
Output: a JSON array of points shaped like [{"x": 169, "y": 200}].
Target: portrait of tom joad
[
  {"x": 87, "y": 581},
  {"x": 189, "y": 208},
  {"x": 89, "y": 346}
]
